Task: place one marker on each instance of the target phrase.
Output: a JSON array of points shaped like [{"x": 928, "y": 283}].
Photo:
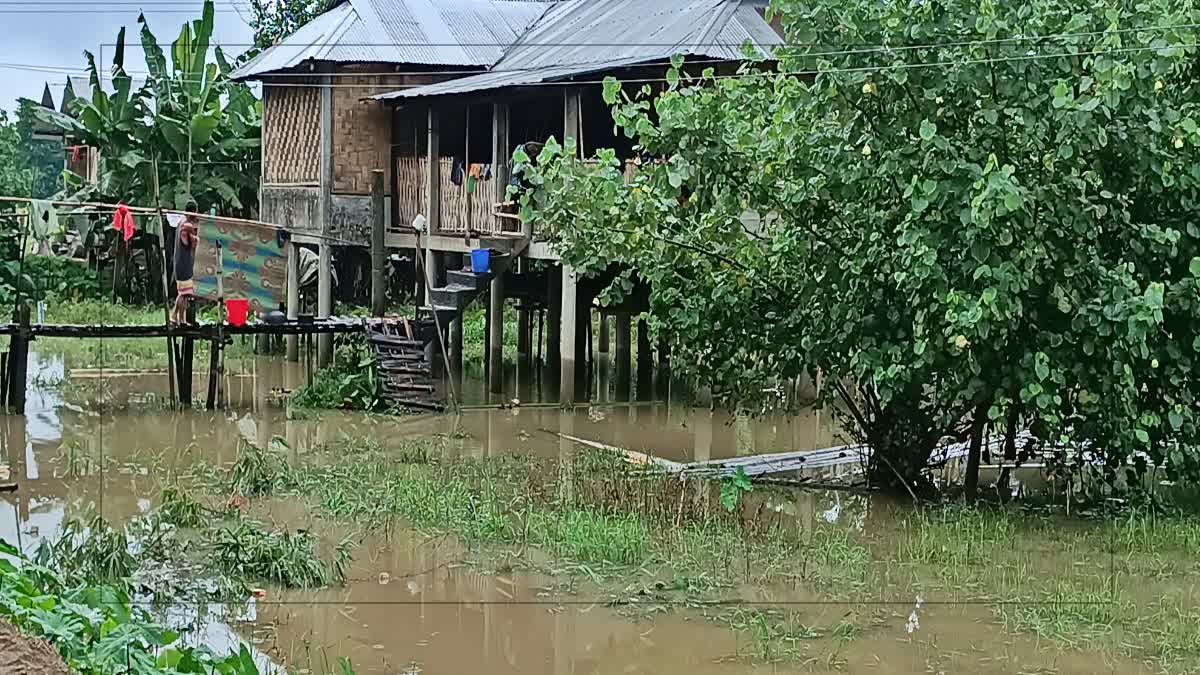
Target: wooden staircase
[
  {"x": 404, "y": 374},
  {"x": 462, "y": 287}
]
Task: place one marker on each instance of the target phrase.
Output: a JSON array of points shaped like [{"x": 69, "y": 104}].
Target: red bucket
[{"x": 236, "y": 311}]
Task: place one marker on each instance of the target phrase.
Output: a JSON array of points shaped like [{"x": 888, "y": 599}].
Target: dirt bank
[{"x": 24, "y": 655}]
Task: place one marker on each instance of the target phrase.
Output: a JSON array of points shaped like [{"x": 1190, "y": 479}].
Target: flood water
[{"x": 414, "y": 604}]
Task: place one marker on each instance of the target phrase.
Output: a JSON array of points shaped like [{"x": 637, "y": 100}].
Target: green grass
[{"x": 248, "y": 550}]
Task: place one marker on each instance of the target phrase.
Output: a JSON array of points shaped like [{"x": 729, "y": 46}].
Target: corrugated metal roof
[
  {"x": 497, "y": 79},
  {"x": 582, "y": 36},
  {"x": 467, "y": 33}
]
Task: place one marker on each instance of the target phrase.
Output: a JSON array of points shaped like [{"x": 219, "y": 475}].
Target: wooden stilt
[
  {"x": 4, "y": 385},
  {"x": 214, "y": 359},
  {"x": 185, "y": 360},
  {"x": 18, "y": 362}
]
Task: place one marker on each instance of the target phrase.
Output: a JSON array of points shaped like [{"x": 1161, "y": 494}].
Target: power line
[
  {"x": 45, "y": 12},
  {"x": 808, "y": 72},
  {"x": 467, "y": 71}
]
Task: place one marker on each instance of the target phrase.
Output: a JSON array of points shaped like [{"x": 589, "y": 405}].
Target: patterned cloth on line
[{"x": 253, "y": 263}]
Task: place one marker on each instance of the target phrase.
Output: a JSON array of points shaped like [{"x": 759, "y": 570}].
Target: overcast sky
[{"x": 44, "y": 40}]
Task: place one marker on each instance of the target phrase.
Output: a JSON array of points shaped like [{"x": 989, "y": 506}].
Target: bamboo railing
[{"x": 459, "y": 211}]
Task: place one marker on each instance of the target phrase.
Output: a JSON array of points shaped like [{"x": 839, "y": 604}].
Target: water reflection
[{"x": 413, "y": 604}]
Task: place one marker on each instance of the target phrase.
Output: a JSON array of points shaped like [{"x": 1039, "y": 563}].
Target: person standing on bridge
[{"x": 187, "y": 239}]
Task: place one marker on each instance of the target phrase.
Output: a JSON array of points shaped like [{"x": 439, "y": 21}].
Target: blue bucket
[{"x": 481, "y": 259}]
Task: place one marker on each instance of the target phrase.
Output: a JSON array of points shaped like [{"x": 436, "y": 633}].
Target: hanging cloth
[
  {"x": 474, "y": 175},
  {"x": 42, "y": 216},
  {"x": 456, "y": 171},
  {"x": 123, "y": 222}
]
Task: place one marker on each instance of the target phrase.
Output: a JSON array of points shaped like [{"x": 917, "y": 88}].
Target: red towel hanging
[{"x": 123, "y": 221}]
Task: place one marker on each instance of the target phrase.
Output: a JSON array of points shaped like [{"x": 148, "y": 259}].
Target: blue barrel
[{"x": 481, "y": 259}]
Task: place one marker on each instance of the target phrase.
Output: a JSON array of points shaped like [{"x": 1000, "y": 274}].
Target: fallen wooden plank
[{"x": 632, "y": 456}]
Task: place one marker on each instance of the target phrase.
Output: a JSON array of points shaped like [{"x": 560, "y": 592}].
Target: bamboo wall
[
  {"x": 412, "y": 195},
  {"x": 291, "y": 135},
  {"x": 458, "y": 208}
]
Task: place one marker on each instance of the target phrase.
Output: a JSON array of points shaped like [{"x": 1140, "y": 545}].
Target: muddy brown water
[{"x": 413, "y": 605}]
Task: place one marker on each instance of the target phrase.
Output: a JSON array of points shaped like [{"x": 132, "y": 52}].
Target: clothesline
[{"x": 152, "y": 211}]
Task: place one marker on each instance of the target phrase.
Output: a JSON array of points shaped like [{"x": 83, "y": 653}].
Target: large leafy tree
[
  {"x": 970, "y": 214},
  {"x": 274, "y": 20},
  {"x": 199, "y": 128}
]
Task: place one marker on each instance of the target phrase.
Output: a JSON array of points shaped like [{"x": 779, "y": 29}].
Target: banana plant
[{"x": 198, "y": 128}]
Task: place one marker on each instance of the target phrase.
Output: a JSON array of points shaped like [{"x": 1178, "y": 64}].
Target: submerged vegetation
[
  {"x": 647, "y": 543},
  {"x": 97, "y": 628},
  {"x": 247, "y": 550}
]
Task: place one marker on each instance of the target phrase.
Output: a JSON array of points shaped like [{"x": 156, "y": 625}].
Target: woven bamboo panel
[
  {"x": 460, "y": 209},
  {"x": 291, "y": 135},
  {"x": 410, "y": 190},
  {"x": 411, "y": 196}
]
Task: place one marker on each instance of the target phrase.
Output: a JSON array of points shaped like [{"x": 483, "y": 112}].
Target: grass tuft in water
[
  {"x": 89, "y": 549},
  {"x": 258, "y": 472},
  {"x": 249, "y": 551},
  {"x": 180, "y": 509}
]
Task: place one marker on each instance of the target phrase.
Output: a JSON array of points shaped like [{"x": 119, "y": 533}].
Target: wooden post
[
  {"x": 18, "y": 361},
  {"x": 433, "y": 215},
  {"x": 523, "y": 332},
  {"x": 293, "y": 299},
  {"x": 645, "y": 362},
  {"x": 624, "y": 355},
  {"x": 325, "y": 210},
  {"x": 214, "y": 360},
  {"x": 433, "y": 276},
  {"x": 569, "y": 298},
  {"x": 467, "y": 172},
  {"x": 572, "y": 114},
  {"x": 166, "y": 284},
  {"x": 568, "y": 327},
  {"x": 664, "y": 365},
  {"x": 433, "y": 187},
  {"x": 185, "y": 359},
  {"x": 500, "y": 154},
  {"x": 496, "y": 335},
  {"x": 325, "y": 302},
  {"x": 553, "y": 315},
  {"x": 218, "y": 341},
  {"x": 456, "y": 347},
  {"x": 5, "y": 384},
  {"x": 602, "y": 339},
  {"x": 378, "y": 253}
]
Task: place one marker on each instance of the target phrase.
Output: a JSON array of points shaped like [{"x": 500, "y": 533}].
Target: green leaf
[
  {"x": 1142, "y": 435},
  {"x": 1194, "y": 267},
  {"x": 612, "y": 87},
  {"x": 1042, "y": 368},
  {"x": 202, "y": 127},
  {"x": 928, "y": 130}
]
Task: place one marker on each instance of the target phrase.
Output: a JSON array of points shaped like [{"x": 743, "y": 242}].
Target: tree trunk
[{"x": 971, "y": 483}]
